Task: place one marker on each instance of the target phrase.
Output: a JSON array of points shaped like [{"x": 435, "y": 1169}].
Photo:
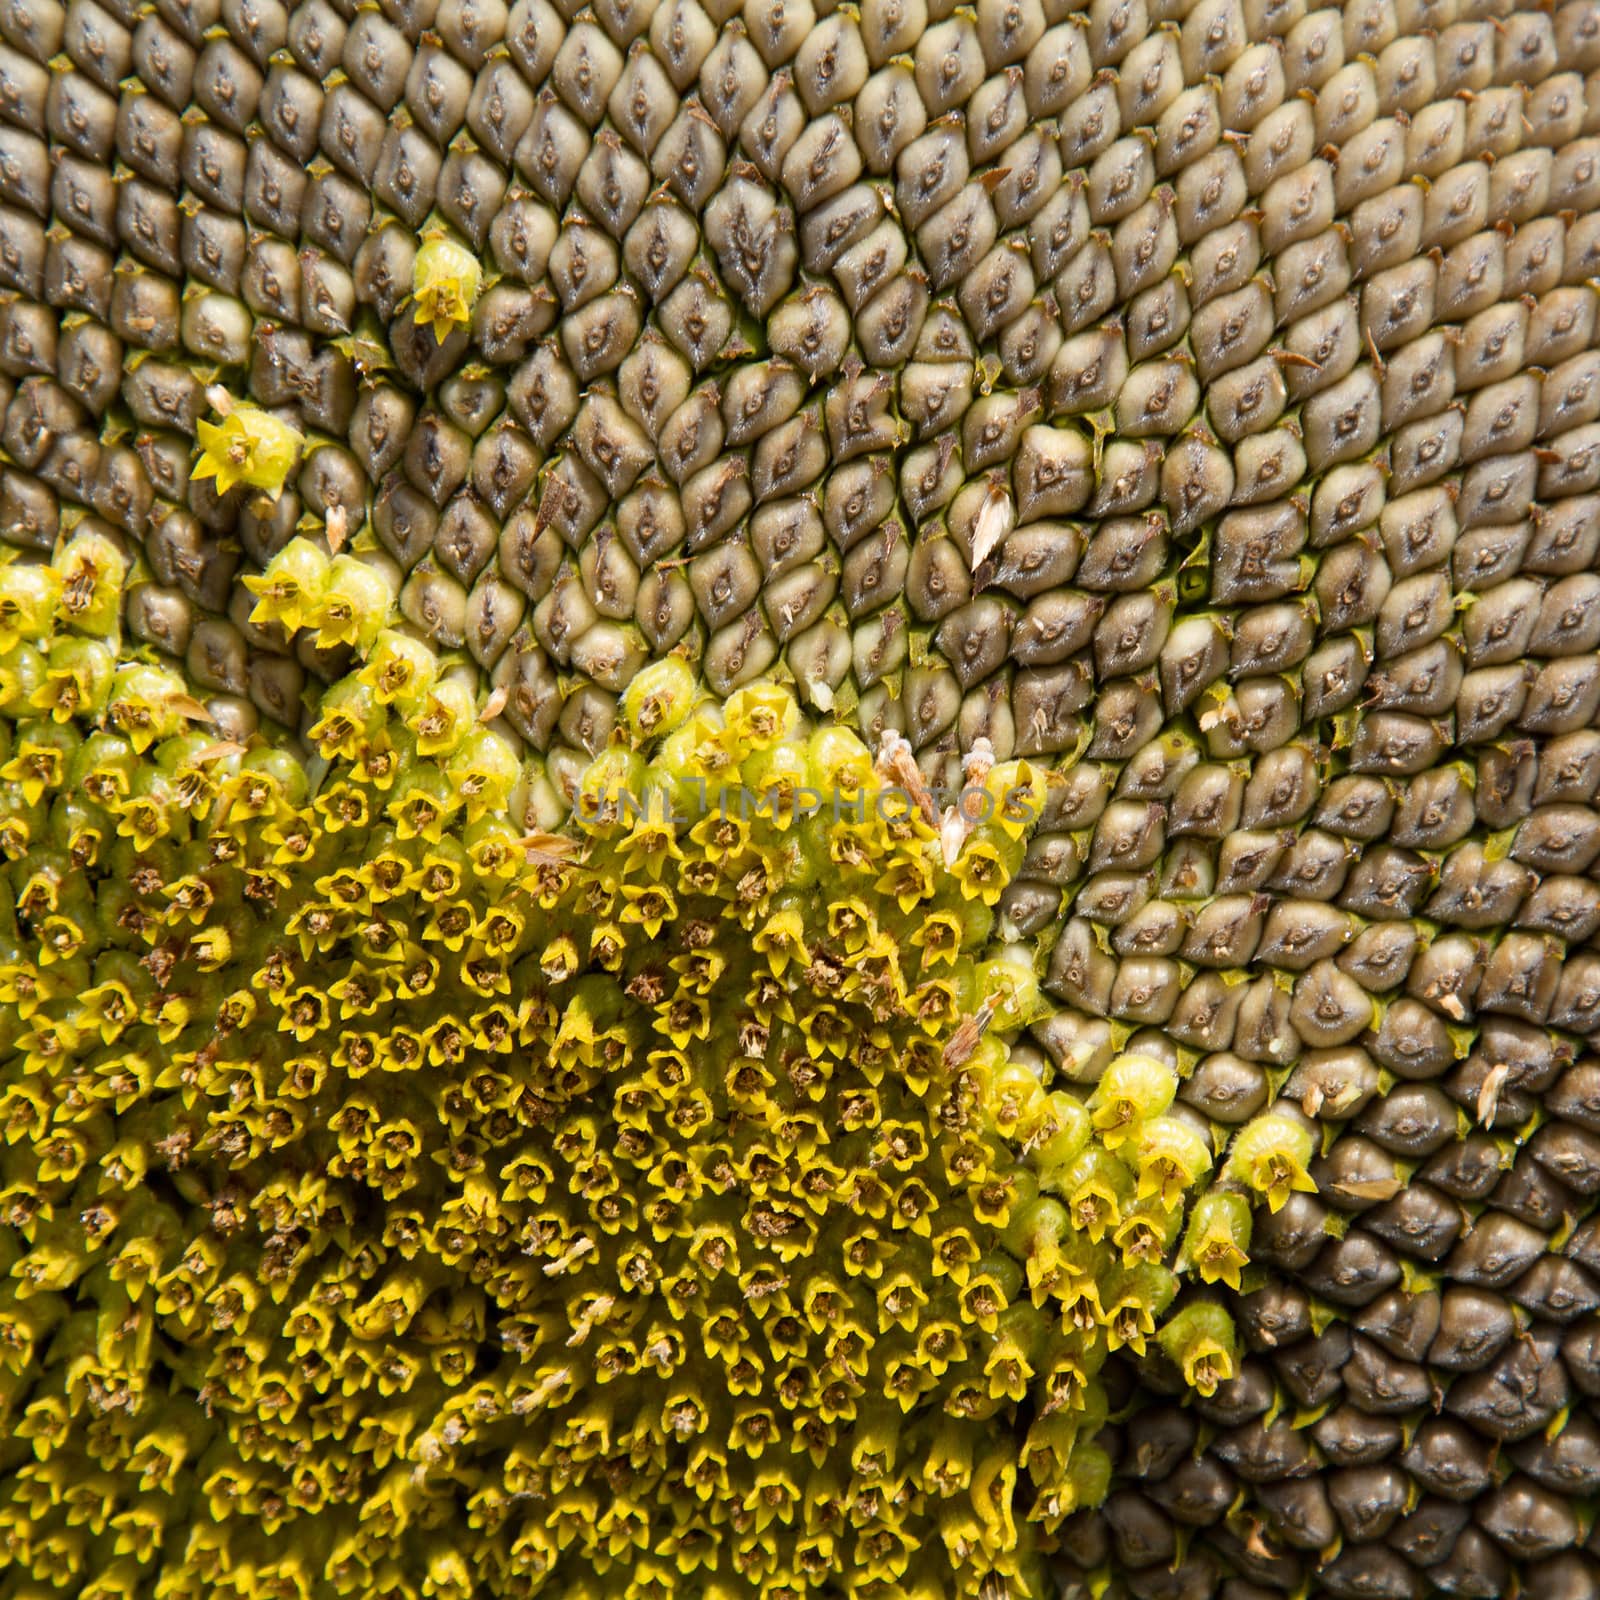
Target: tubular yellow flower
[
  {"x": 659, "y": 698},
  {"x": 1172, "y": 1159},
  {"x": 1096, "y": 1187},
  {"x": 445, "y": 280},
  {"x": 1272, "y": 1155},
  {"x": 443, "y": 718},
  {"x": 28, "y": 598},
  {"x": 1217, "y": 1243},
  {"x": 654, "y": 1097},
  {"x": 760, "y": 716},
  {"x": 1134, "y": 1298},
  {"x": 353, "y": 607},
  {"x": 1200, "y": 1339},
  {"x": 1146, "y": 1230},
  {"x": 981, "y": 870},
  {"x": 399, "y": 670},
  {"x": 91, "y": 569},
  {"x": 248, "y": 446},
  {"x": 1133, "y": 1089},
  {"x": 651, "y": 843}
]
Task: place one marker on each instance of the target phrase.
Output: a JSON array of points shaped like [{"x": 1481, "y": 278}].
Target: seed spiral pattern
[
  {"x": 428, "y": 426},
  {"x": 403, "y": 1200}
]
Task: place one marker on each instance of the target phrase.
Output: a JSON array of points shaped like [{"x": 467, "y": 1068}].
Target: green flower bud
[
  {"x": 760, "y": 716},
  {"x": 1012, "y": 1095},
  {"x": 1272, "y": 1155},
  {"x": 22, "y": 674},
  {"x": 400, "y": 670},
  {"x": 29, "y": 594},
  {"x": 1088, "y": 1478},
  {"x": 659, "y": 698},
  {"x": 445, "y": 280},
  {"x": 148, "y": 703},
  {"x": 1097, "y": 1189},
  {"x": 355, "y": 604},
  {"x": 484, "y": 769},
  {"x": 986, "y": 864},
  {"x": 422, "y": 802},
  {"x": 1017, "y": 790},
  {"x": 1172, "y": 1158},
  {"x": 1009, "y": 985},
  {"x": 102, "y": 767},
  {"x": 248, "y": 446},
  {"x": 1201, "y": 1340},
  {"x": 41, "y": 758},
  {"x": 348, "y": 716},
  {"x": 444, "y": 717},
  {"x": 91, "y": 570},
  {"x": 1217, "y": 1243},
  {"x": 840, "y": 763},
  {"x": 199, "y": 766},
  {"x": 1066, "y": 1130},
  {"x": 1133, "y": 1089},
  {"x": 1146, "y": 1230},
  {"x": 1034, "y": 1235},
  {"x": 612, "y": 783},
  {"x": 1133, "y": 1298},
  {"x": 290, "y": 591},
  {"x": 76, "y": 678}
]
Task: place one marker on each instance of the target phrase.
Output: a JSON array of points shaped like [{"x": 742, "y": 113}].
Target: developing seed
[
  {"x": 665, "y": 609},
  {"x": 819, "y": 657},
  {"x": 1437, "y": 139},
  {"x": 772, "y": 125},
  {"x": 494, "y": 612},
  {"x": 1157, "y": 399},
  {"x": 797, "y": 600},
  {"x": 1057, "y": 71},
  {"x": 1565, "y": 538},
  {"x": 1569, "y": 769},
  {"x": 811, "y": 329},
  {"x": 1211, "y": 192},
  {"x": 833, "y": 227},
  {"x": 1188, "y": 129},
  {"x": 214, "y": 250},
  {"x": 888, "y": 117},
  {"x": 725, "y": 582},
  {"x": 973, "y": 639},
  {"x": 880, "y": 565},
  {"x": 879, "y": 646},
  {"x": 1150, "y": 80},
  {"x": 1044, "y": 704},
  {"x": 609, "y": 654},
  {"x": 1128, "y": 478},
  {"x": 889, "y": 28},
  {"x": 275, "y": 685},
  {"x": 24, "y": 172},
  {"x": 681, "y": 35},
  {"x": 599, "y": 335},
  {"x": 1055, "y": 626},
  {"x": 789, "y": 458},
  {"x": 715, "y": 500}
]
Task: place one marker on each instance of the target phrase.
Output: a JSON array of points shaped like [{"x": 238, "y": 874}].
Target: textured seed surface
[{"x": 1200, "y": 402}]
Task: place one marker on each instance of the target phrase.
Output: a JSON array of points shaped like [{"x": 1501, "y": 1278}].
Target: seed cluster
[
  {"x": 1199, "y": 399},
  {"x": 786, "y": 318}
]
